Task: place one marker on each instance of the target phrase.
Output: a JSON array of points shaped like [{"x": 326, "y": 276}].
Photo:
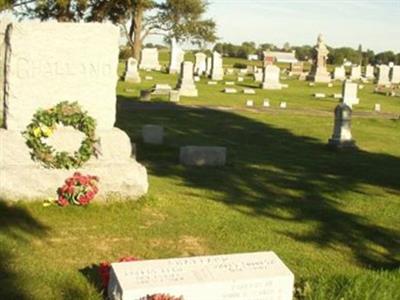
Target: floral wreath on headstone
[{"x": 45, "y": 122}]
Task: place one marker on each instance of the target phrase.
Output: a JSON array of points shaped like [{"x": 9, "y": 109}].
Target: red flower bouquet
[
  {"x": 104, "y": 269},
  {"x": 78, "y": 189}
]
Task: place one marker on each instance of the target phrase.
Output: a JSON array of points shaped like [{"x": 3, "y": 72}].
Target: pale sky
[{"x": 373, "y": 23}]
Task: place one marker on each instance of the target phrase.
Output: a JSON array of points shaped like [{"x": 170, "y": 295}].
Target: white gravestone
[
  {"x": 383, "y": 75},
  {"x": 174, "y": 96},
  {"x": 217, "y": 71},
  {"x": 369, "y": 72},
  {"x": 249, "y": 103},
  {"x": 377, "y": 107},
  {"x": 44, "y": 68},
  {"x": 244, "y": 276},
  {"x": 230, "y": 91},
  {"x": 349, "y": 93},
  {"x": 271, "y": 78},
  {"x": 258, "y": 75},
  {"x": 249, "y": 91},
  {"x": 4, "y": 22},
  {"x": 341, "y": 137},
  {"x": 200, "y": 63},
  {"x": 208, "y": 66},
  {"x": 395, "y": 78},
  {"x": 339, "y": 73},
  {"x": 176, "y": 57},
  {"x": 186, "y": 84},
  {"x": 266, "y": 103},
  {"x": 131, "y": 73},
  {"x": 319, "y": 95},
  {"x": 355, "y": 73},
  {"x": 149, "y": 59},
  {"x": 283, "y": 105}
]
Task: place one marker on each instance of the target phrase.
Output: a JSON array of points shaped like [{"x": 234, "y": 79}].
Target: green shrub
[{"x": 240, "y": 66}]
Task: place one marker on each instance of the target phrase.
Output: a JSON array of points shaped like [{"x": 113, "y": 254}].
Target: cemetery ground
[{"x": 332, "y": 217}]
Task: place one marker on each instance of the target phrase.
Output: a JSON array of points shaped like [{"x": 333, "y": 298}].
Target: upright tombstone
[
  {"x": 383, "y": 75},
  {"x": 341, "y": 137},
  {"x": 176, "y": 57},
  {"x": 395, "y": 76},
  {"x": 44, "y": 69},
  {"x": 208, "y": 66},
  {"x": 186, "y": 84},
  {"x": 349, "y": 93},
  {"x": 296, "y": 69},
  {"x": 339, "y": 73},
  {"x": 241, "y": 276},
  {"x": 319, "y": 72},
  {"x": 217, "y": 71},
  {"x": 200, "y": 64},
  {"x": 131, "y": 73},
  {"x": 271, "y": 78},
  {"x": 149, "y": 59},
  {"x": 369, "y": 72},
  {"x": 355, "y": 73},
  {"x": 258, "y": 75}
]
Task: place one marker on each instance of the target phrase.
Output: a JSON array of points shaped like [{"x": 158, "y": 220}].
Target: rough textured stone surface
[
  {"x": 202, "y": 156},
  {"x": 241, "y": 276},
  {"x": 341, "y": 137},
  {"x": 44, "y": 68},
  {"x": 21, "y": 178},
  {"x": 153, "y": 134}
]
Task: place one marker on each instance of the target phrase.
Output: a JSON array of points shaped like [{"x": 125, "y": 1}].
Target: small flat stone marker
[
  {"x": 319, "y": 95},
  {"x": 266, "y": 103},
  {"x": 240, "y": 79},
  {"x": 330, "y": 85},
  {"x": 377, "y": 107},
  {"x": 196, "y": 78},
  {"x": 243, "y": 276},
  {"x": 212, "y": 83},
  {"x": 284, "y": 85},
  {"x": 249, "y": 103},
  {"x": 229, "y": 83},
  {"x": 230, "y": 91},
  {"x": 174, "y": 96},
  {"x": 161, "y": 89},
  {"x": 148, "y": 77},
  {"x": 311, "y": 84},
  {"x": 153, "y": 134},
  {"x": 337, "y": 96},
  {"x": 202, "y": 156},
  {"x": 360, "y": 87},
  {"x": 249, "y": 91},
  {"x": 283, "y": 105}
]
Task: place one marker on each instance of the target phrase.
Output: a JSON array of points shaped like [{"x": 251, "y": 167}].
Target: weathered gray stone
[
  {"x": 202, "y": 156},
  {"x": 153, "y": 134},
  {"x": 341, "y": 137}
]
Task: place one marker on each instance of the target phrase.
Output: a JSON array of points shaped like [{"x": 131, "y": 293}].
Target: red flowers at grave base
[
  {"x": 78, "y": 190},
  {"x": 105, "y": 267}
]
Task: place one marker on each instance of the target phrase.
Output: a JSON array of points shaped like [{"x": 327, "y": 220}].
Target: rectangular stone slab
[
  {"x": 46, "y": 64},
  {"x": 243, "y": 276},
  {"x": 202, "y": 156}
]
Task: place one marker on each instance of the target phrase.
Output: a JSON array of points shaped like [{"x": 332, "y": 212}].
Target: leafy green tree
[{"x": 385, "y": 57}]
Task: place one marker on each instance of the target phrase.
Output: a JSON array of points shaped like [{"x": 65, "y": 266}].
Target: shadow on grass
[
  {"x": 276, "y": 174},
  {"x": 18, "y": 226}
]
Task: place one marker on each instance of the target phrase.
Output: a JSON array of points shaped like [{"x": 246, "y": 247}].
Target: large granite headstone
[
  {"x": 201, "y": 64},
  {"x": 186, "y": 84},
  {"x": 177, "y": 57},
  {"x": 217, "y": 71},
  {"x": 44, "y": 68},
  {"x": 149, "y": 59},
  {"x": 271, "y": 78},
  {"x": 131, "y": 73},
  {"x": 244, "y": 276},
  {"x": 319, "y": 72}
]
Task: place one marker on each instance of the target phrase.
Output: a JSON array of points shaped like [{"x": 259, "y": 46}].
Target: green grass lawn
[{"x": 333, "y": 217}]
